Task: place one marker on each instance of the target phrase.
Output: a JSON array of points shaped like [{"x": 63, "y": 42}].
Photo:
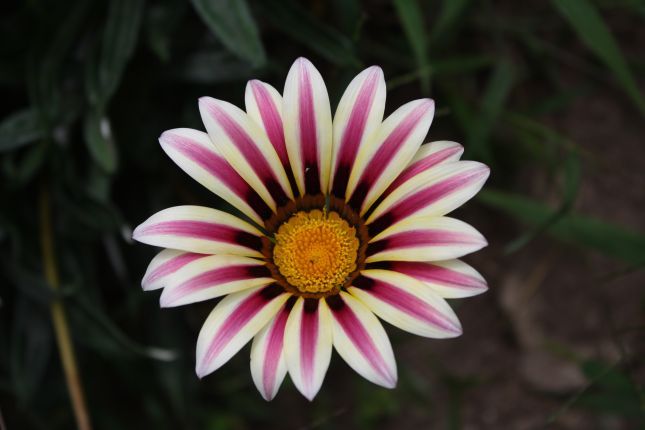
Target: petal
[
  {"x": 451, "y": 279},
  {"x": 425, "y": 239},
  {"x": 359, "y": 113},
  {"x": 268, "y": 365},
  {"x": 406, "y": 303},
  {"x": 200, "y": 229},
  {"x": 308, "y": 341},
  {"x": 308, "y": 127},
  {"x": 429, "y": 155},
  {"x": 196, "y": 155},
  {"x": 214, "y": 276},
  {"x": 382, "y": 158},
  {"x": 360, "y": 339},
  {"x": 264, "y": 106},
  {"x": 165, "y": 264},
  {"x": 247, "y": 148},
  {"x": 233, "y": 322},
  {"x": 434, "y": 192}
]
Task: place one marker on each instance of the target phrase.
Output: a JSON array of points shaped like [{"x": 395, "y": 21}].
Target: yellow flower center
[{"x": 315, "y": 251}]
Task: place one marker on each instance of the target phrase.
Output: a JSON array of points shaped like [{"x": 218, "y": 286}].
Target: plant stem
[{"x": 59, "y": 319}]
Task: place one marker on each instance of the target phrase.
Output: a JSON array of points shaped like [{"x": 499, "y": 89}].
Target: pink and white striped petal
[
  {"x": 406, "y": 303},
  {"x": 451, "y": 279},
  {"x": 233, "y": 322},
  {"x": 308, "y": 345},
  {"x": 213, "y": 276},
  {"x": 196, "y": 155},
  {"x": 307, "y": 127},
  {"x": 359, "y": 113},
  {"x": 428, "y": 156},
  {"x": 386, "y": 153},
  {"x": 247, "y": 148},
  {"x": 264, "y": 106},
  {"x": 165, "y": 264},
  {"x": 201, "y": 230},
  {"x": 425, "y": 239},
  {"x": 433, "y": 192},
  {"x": 360, "y": 339},
  {"x": 268, "y": 365}
]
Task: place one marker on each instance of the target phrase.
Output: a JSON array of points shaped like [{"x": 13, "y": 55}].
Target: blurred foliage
[{"x": 88, "y": 86}]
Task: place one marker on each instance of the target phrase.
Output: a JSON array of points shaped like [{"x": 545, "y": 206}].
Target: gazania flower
[{"x": 339, "y": 222}]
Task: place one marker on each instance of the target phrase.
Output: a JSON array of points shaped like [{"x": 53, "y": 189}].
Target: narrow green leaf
[
  {"x": 19, "y": 129},
  {"x": 448, "y": 16},
  {"x": 296, "y": 22},
  {"x": 493, "y": 101},
  {"x": 119, "y": 40},
  {"x": 609, "y": 239},
  {"x": 98, "y": 137},
  {"x": 211, "y": 67},
  {"x": 571, "y": 170},
  {"x": 594, "y": 33},
  {"x": 411, "y": 17},
  {"x": 95, "y": 316},
  {"x": 232, "y": 23}
]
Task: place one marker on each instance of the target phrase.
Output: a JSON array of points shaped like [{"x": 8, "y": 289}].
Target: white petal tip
[
  {"x": 267, "y": 396},
  {"x": 389, "y": 384},
  {"x": 164, "y": 302},
  {"x": 201, "y": 373},
  {"x": 136, "y": 234}
]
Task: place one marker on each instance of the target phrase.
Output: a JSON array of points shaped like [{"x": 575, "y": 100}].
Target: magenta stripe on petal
[
  {"x": 308, "y": 340},
  {"x": 432, "y": 273},
  {"x": 273, "y": 351},
  {"x": 308, "y": 131},
  {"x": 421, "y": 237},
  {"x": 202, "y": 230},
  {"x": 353, "y": 132},
  {"x": 388, "y": 149},
  {"x": 423, "y": 198},
  {"x": 219, "y": 168},
  {"x": 422, "y": 165},
  {"x": 250, "y": 152},
  {"x": 244, "y": 312},
  {"x": 405, "y": 302},
  {"x": 171, "y": 266},
  {"x": 216, "y": 277},
  {"x": 359, "y": 336},
  {"x": 271, "y": 119}
]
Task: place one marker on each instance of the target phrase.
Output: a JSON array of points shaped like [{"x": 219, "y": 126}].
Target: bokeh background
[{"x": 549, "y": 93}]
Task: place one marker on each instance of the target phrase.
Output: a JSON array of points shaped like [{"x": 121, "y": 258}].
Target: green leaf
[
  {"x": 411, "y": 17},
  {"x": 98, "y": 138},
  {"x": 99, "y": 323},
  {"x": 296, "y": 22},
  {"x": 497, "y": 91},
  {"x": 587, "y": 232},
  {"x": 232, "y": 23},
  {"x": 211, "y": 67},
  {"x": 449, "y": 14},
  {"x": 19, "y": 129},
  {"x": 594, "y": 33},
  {"x": 119, "y": 41},
  {"x": 571, "y": 170}
]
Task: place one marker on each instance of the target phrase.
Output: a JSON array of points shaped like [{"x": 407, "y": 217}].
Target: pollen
[{"x": 316, "y": 251}]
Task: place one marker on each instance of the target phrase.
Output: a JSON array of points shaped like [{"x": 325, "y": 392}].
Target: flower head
[{"x": 342, "y": 221}]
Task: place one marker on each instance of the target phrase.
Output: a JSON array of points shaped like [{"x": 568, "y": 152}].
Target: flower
[{"x": 341, "y": 221}]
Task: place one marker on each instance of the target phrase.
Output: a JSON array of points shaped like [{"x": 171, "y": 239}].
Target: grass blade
[
  {"x": 232, "y": 23},
  {"x": 594, "y": 33},
  {"x": 411, "y": 17},
  {"x": 587, "y": 232},
  {"x": 296, "y": 22}
]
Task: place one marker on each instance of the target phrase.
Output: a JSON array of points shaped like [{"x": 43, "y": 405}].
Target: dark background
[{"x": 548, "y": 93}]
